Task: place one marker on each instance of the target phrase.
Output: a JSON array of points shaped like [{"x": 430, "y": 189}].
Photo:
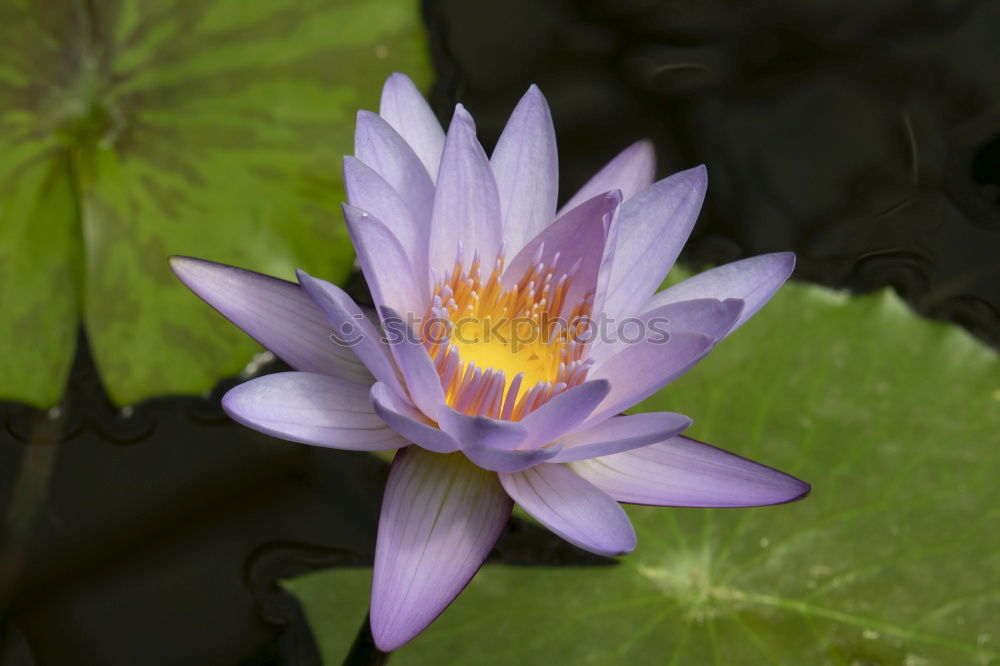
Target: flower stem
[{"x": 363, "y": 651}]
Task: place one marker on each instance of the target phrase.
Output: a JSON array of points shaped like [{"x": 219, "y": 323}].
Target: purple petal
[
  {"x": 754, "y": 280},
  {"x": 572, "y": 508},
  {"x": 621, "y": 433},
  {"x": 407, "y": 111},
  {"x": 653, "y": 227},
  {"x": 481, "y": 430},
  {"x": 370, "y": 192},
  {"x": 705, "y": 316},
  {"x": 354, "y": 330},
  {"x": 631, "y": 171},
  {"x": 466, "y": 204},
  {"x": 422, "y": 380},
  {"x": 640, "y": 370},
  {"x": 526, "y": 167},
  {"x": 275, "y": 313},
  {"x": 383, "y": 260},
  {"x": 563, "y": 413},
  {"x": 488, "y": 442},
  {"x": 576, "y": 237},
  {"x": 501, "y": 460},
  {"x": 311, "y": 409},
  {"x": 409, "y": 422},
  {"x": 440, "y": 517},
  {"x": 607, "y": 263},
  {"x": 379, "y": 146},
  {"x": 686, "y": 472}
]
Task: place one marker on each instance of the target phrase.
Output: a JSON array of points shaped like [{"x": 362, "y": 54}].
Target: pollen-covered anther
[{"x": 503, "y": 351}]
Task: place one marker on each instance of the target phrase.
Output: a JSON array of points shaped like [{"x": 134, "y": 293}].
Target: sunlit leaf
[
  {"x": 891, "y": 560},
  {"x": 131, "y": 130}
]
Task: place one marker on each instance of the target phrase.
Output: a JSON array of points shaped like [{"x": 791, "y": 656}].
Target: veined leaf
[{"x": 131, "y": 130}]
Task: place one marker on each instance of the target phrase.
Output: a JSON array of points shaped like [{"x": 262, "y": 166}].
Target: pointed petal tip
[
  {"x": 462, "y": 117},
  {"x": 228, "y": 404},
  {"x": 734, "y": 307},
  {"x": 353, "y": 214},
  {"x": 625, "y": 550},
  {"x": 389, "y": 641},
  {"x": 534, "y": 105},
  {"x": 399, "y": 77},
  {"x": 695, "y": 178},
  {"x": 232, "y": 404},
  {"x": 312, "y": 286},
  {"x": 183, "y": 266},
  {"x": 785, "y": 490},
  {"x": 644, "y": 152},
  {"x": 789, "y": 258},
  {"x": 535, "y": 95},
  {"x": 201, "y": 275},
  {"x": 799, "y": 490},
  {"x": 698, "y": 174}
]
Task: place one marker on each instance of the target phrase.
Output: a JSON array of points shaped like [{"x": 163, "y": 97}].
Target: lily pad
[
  {"x": 891, "y": 560},
  {"x": 131, "y": 130}
]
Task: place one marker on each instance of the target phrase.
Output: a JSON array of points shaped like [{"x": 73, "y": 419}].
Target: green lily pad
[
  {"x": 891, "y": 560},
  {"x": 131, "y": 130}
]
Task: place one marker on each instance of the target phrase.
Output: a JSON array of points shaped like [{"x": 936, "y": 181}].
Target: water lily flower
[{"x": 482, "y": 366}]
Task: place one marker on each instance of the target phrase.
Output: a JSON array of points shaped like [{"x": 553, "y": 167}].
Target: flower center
[{"x": 503, "y": 351}]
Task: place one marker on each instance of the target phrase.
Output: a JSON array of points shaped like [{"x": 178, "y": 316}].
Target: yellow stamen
[{"x": 503, "y": 352}]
